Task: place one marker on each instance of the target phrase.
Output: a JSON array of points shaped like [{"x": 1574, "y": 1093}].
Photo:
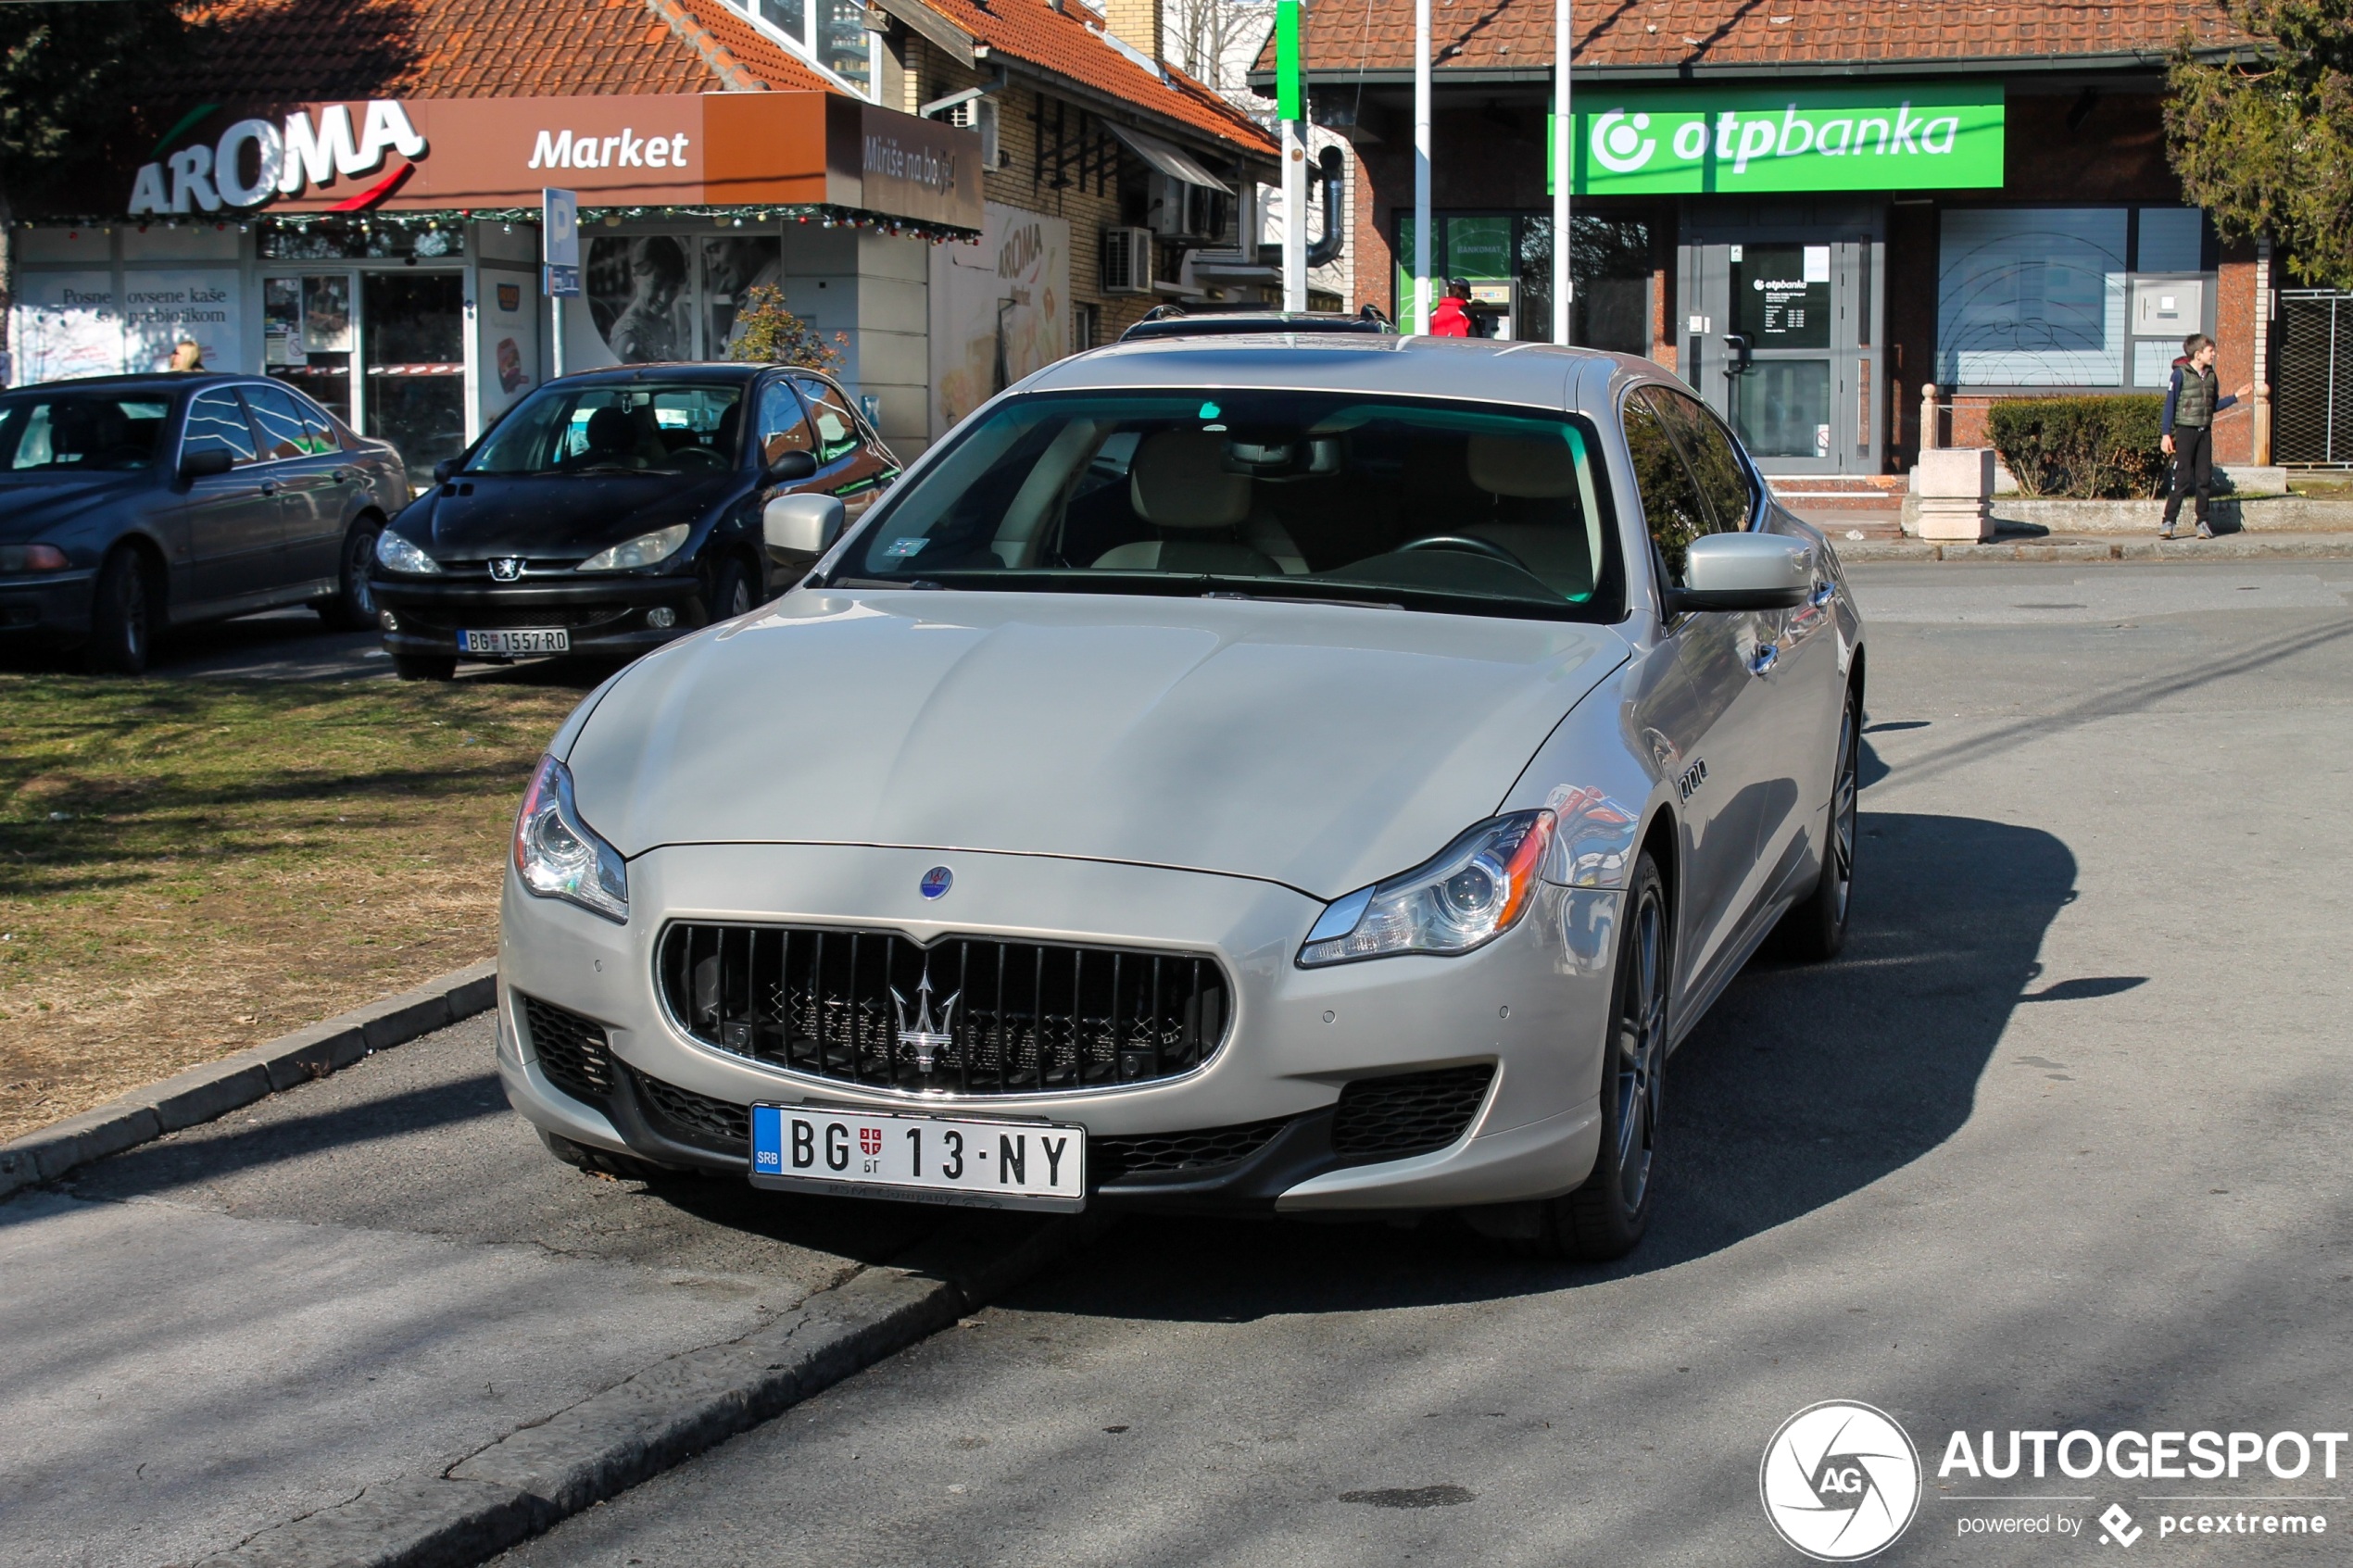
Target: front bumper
[
  {"x": 47, "y": 605},
  {"x": 1531, "y": 1010},
  {"x": 603, "y": 614}
]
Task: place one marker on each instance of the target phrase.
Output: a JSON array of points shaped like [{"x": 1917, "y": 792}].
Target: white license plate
[
  {"x": 552, "y": 639},
  {"x": 926, "y": 1159}
]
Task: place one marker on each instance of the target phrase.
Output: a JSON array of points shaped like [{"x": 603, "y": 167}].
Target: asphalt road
[
  {"x": 291, "y": 645},
  {"x": 2058, "y": 1144}
]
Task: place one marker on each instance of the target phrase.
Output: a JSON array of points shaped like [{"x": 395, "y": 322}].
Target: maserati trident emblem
[
  {"x": 936, "y": 882},
  {"x": 506, "y": 568},
  {"x": 926, "y": 1035}
]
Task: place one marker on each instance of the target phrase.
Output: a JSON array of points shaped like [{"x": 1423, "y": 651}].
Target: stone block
[{"x": 1965, "y": 472}]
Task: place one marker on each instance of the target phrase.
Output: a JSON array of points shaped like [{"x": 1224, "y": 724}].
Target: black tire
[
  {"x": 354, "y": 607},
  {"x": 1606, "y": 1217},
  {"x": 424, "y": 666},
  {"x": 122, "y": 616},
  {"x": 1814, "y": 928},
  {"x": 597, "y": 1161},
  {"x": 734, "y": 593}
]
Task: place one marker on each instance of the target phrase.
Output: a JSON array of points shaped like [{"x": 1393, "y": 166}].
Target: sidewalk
[{"x": 2101, "y": 548}]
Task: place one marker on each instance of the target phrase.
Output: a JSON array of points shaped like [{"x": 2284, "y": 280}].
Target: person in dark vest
[{"x": 2192, "y": 400}]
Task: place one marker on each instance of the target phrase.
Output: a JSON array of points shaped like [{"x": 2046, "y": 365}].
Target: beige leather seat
[
  {"x": 1179, "y": 484},
  {"x": 1554, "y": 541}
]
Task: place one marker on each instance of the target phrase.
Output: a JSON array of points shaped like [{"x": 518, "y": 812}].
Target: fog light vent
[{"x": 662, "y": 619}]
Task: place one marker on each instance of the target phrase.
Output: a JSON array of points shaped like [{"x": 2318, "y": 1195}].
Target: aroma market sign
[
  {"x": 717, "y": 149},
  {"x": 1908, "y": 137}
]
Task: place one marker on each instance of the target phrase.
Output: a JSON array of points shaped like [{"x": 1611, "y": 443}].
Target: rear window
[
  {"x": 80, "y": 431},
  {"x": 1436, "y": 506}
]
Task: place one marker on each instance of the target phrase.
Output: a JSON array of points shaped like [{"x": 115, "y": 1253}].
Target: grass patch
[{"x": 191, "y": 867}]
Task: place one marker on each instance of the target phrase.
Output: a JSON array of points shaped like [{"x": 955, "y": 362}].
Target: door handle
[
  {"x": 268, "y": 487},
  {"x": 1761, "y": 662},
  {"x": 342, "y": 476}
]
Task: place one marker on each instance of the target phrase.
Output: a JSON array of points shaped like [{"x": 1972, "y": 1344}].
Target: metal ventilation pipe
[{"x": 1326, "y": 250}]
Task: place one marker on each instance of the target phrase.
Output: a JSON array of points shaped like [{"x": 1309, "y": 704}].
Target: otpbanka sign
[{"x": 720, "y": 149}]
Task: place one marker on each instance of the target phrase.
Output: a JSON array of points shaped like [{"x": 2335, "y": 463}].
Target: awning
[{"x": 1169, "y": 160}]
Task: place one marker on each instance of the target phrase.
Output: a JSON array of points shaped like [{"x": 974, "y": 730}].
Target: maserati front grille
[{"x": 967, "y": 1015}]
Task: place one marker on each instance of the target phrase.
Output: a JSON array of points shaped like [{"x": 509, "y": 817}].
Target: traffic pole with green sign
[{"x": 1290, "y": 107}]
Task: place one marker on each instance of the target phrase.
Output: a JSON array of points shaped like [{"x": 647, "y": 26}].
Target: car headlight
[
  {"x": 559, "y": 856},
  {"x": 644, "y": 551},
  {"x": 1472, "y": 892},
  {"x": 398, "y": 554},
  {"x": 32, "y": 558}
]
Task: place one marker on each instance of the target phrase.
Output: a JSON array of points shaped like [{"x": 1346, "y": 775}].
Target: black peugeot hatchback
[{"x": 612, "y": 511}]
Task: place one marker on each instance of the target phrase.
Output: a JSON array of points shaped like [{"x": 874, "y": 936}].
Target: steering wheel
[
  {"x": 1466, "y": 542},
  {"x": 697, "y": 458}
]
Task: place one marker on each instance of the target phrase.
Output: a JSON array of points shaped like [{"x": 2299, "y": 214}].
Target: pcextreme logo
[{"x": 1840, "y": 1481}]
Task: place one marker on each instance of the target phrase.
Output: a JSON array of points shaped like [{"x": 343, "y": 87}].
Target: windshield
[
  {"x": 1260, "y": 494},
  {"x": 79, "y": 433},
  {"x": 641, "y": 428}
]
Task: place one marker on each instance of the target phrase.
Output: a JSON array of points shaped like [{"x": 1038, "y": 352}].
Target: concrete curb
[
  {"x": 527, "y": 1481},
  {"x": 218, "y": 1088},
  {"x": 2231, "y": 547}
]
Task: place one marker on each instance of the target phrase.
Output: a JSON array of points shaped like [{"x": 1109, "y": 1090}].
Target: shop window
[
  {"x": 412, "y": 344},
  {"x": 2032, "y": 298},
  {"x": 1086, "y": 328},
  {"x": 1507, "y": 260}
]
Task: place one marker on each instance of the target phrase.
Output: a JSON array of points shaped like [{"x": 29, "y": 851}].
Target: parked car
[
  {"x": 612, "y": 511},
  {"x": 1307, "y": 775},
  {"x": 132, "y": 503}
]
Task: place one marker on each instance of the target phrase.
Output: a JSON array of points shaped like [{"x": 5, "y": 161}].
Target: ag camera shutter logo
[
  {"x": 1619, "y": 144},
  {"x": 1840, "y": 1481}
]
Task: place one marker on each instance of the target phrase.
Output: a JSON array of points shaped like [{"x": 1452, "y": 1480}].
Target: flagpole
[
  {"x": 1564, "y": 170},
  {"x": 1421, "y": 167}
]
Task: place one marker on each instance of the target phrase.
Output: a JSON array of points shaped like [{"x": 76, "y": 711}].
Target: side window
[
  {"x": 784, "y": 424},
  {"x": 837, "y": 426},
  {"x": 279, "y": 422},
  {"x": 217, "y": 420},
  {"x": 319, "y": 427},
  {"x": 1715, "y": 464},
  {"x": 1671, "y": 503}
]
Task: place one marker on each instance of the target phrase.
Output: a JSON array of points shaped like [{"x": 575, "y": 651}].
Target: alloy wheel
[
  {"x": 133, "y": 599},
  {"x": 1843, "y": 809},
  {"x": 359, "y": 554},
  {"x": 1642, "y": 1046}
]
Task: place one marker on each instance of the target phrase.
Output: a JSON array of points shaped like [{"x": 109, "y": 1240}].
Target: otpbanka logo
[{"x": 1840, "y": 1481}]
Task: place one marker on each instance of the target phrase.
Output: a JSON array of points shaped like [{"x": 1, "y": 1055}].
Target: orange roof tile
[
  {"x": 1343, "y": 36},
  {"x": 291, "y": 51},
  {"x": 1069, "y": 42}
]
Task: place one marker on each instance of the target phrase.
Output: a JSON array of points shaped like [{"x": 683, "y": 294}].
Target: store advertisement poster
[
  {"x": 997, "y": 310},
  {"x": 162, "y": 308},
  {"x": 507, "y": 316},
  {"x": 65, "y": 324}
]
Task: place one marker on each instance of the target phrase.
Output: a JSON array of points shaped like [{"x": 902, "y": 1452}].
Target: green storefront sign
[{"x": 1915, "y": 136}]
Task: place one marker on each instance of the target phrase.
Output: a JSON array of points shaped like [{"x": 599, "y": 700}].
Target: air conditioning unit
[
  {"x": 1183, "y": 211},
  {"x": 978, "y": 113},
  {"x": 1128, "y": 261}
]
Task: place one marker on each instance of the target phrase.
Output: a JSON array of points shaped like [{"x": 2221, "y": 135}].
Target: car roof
[
  {"x": 1179, "y": 324},
  {"x": 672, "y": 371},
  {"x": 1532, "y": 374},
  {"x": 166, "y": 381}
]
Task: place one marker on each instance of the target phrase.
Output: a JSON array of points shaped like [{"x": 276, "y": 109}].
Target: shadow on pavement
[{"x": 1801, "y": 1087}]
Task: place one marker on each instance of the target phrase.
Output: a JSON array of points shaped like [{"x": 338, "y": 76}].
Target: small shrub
[
  {"x": 2086, "y": 448},
  {"x": 767, "y": 333}
]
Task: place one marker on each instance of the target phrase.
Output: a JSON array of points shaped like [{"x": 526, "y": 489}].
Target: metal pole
[
  {"x": 1421, "y": 167},
  {"x": 1294, "y": 216},
  {"x": 1564, "y": 170},
  {"x": 555, "y": 344}
]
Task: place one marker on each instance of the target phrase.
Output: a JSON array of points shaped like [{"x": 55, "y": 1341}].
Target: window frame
[
  {"x": 1662, "y": 580},
  {"x": 187, "y": 410}
]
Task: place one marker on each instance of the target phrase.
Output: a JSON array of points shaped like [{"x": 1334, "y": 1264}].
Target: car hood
[
  {"x": 1320, "y": 746},
  {"x": 32, "y": 506},
  {"x": 559, "y": 515}
]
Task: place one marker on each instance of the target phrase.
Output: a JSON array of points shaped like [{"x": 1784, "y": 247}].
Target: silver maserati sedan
[{"x": 1287, "y": 774}]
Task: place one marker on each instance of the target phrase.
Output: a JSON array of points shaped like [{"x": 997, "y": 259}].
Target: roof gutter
[
  {"x": 2008, "y": 65},
  {"x": 1097, "y": 99}
]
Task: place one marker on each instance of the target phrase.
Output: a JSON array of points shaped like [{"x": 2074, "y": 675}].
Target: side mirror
[
  {"x": 206, "y": 463},
  {"x": 443, "y": 469},
  {"x": 792, "y": 468},
  {"x": 802, "y": 524},
  {"x": 1744, "y": 571}
]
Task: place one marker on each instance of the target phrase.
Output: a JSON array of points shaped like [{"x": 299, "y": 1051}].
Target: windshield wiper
[{"x": 1299, "y": 600}]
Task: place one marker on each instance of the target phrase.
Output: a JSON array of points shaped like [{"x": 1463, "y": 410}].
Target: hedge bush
[{"x": 2086, "y": 448}]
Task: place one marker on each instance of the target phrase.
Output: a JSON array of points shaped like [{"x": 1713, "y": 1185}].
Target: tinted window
[
  {"x": 1671, "y": 504},
  {"x": 317, "y": 422},
  {"x": 217, "y": 422},
  {"x": 1318, "y": 495},
  {"x": 278, "y": 422},
  {"x": 83, "y": 431},
  {"x": 1722, "y": 477},
  {"x": 784, "y": 423},
  {"x": 837, "y": 426}
]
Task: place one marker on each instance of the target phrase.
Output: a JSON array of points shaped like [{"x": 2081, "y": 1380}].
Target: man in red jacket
[{"x": 1452, "y": 319}]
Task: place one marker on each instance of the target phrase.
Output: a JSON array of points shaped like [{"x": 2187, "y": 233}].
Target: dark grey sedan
[{"x": 129, "y": 504}]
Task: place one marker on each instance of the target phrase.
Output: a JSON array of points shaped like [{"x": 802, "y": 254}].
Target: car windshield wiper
[{"x": 1278, "y": 590}]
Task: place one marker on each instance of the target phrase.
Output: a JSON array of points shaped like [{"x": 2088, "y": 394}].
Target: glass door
[
  {"x": 309, "y": 327},
  {"x": 413, "y": 338},
  {"x": 1803, "y": 305}
]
